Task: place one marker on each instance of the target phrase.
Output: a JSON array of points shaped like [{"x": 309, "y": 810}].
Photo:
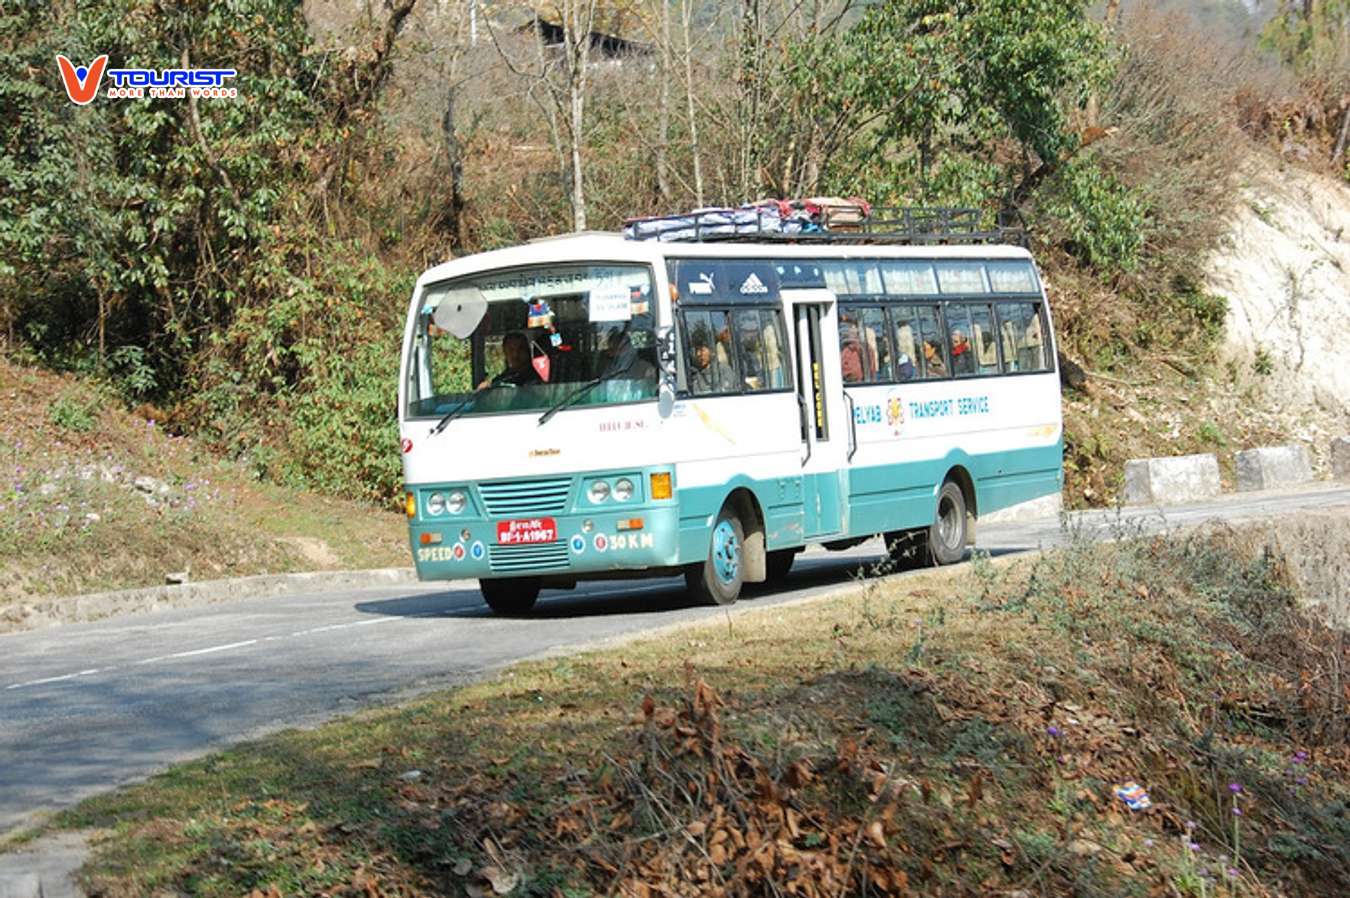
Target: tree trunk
[
  {"x": 1340, "y": 141},
  {"x": 663, "y": 109},
  {"x": 578, "y": 110},
  {"x": 453, "y": 221},
  {"x": 578, "y": 20},
  {"x": 694, "y": 149},
  {"x": 751, "y": 87}
]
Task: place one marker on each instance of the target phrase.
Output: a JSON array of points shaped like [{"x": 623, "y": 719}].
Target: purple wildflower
[
  {"x": 1053, "y": 731},
  {"x": 1195, "y": 846},
  {"x": 1235, "y": 788},
  {"x": 1232, "y": 872},
  {"x": 1237, "y": 811}
]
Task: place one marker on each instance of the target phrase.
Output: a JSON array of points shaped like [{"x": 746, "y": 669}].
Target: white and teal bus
[{"x": 595, "y": 407}]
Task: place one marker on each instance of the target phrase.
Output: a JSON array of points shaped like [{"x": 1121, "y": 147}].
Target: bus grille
[
  {"x": 542, "y": 557},
  {"x": 526, "y": 497}
]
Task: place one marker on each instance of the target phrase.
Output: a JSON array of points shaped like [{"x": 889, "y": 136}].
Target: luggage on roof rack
[{"x": 828, "y": 221}]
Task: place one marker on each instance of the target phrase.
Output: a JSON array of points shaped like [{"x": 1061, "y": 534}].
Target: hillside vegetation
[
  {"x": 241, "y": 267},
  {"x": 94, "y": 498}
]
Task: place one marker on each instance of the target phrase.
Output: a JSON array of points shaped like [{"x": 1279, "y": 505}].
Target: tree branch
[{"x": 194, "y": 121}]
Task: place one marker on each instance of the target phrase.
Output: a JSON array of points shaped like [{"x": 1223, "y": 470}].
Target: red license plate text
[{"x": 527, "y": 531}]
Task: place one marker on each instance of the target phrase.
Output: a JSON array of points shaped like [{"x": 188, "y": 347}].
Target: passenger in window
[
  {"x": 857, "y": 360},
  {"x": 700, "y": 367},
  {"x": 932, "y": 358},
  {"x": 773, "y": 354},
  {"x": 622, "y": 359},
  {"x": 904, "y": 367},
  {"x": 752, "y": 368},
  {"x": 963, "y": 355},
  {"x": 519, "y": 372}
]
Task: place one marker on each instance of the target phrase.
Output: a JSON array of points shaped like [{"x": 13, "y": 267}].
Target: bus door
[{"x": 820, "y": 402}]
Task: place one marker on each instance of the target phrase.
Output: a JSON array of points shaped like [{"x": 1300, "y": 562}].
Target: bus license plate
[{"x": 530, "y": 530}]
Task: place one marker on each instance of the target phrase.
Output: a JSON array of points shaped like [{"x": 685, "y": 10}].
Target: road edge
[{"x": 43, "y": 613}]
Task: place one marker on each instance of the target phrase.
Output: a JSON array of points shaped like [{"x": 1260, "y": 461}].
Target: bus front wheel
[
  {"x": 947, "y": 536},
  {"x": 719, "y": 578},
  {"x": 510, "y": 595}
]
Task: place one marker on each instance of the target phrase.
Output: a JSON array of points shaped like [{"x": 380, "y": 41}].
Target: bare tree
[
  {"x": 578, "y": 22},
  {"x": 562, "y": 71},
  {"x": 686, "y": 22},
  {"x": 663, "y": 104}
]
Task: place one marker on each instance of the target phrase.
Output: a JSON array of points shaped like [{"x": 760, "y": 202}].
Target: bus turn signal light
[
  {"x": 661, "y": 486},
  {"x": 410, "y": 505},
  {"x": 631, "y": 524}
]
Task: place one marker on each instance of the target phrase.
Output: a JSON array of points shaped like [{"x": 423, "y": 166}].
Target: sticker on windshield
[{"x": 610, "y": 302}]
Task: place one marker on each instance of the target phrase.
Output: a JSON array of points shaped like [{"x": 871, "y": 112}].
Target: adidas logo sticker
[{"x": 753, "y": 285}]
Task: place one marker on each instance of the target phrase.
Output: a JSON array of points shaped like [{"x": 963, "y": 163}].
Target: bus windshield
[{"x": 523, "y": 340}]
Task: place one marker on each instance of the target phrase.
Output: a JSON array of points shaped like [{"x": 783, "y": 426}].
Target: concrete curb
[
  {"x": 1340, "y": 458},
  {"x": 23, "y": 885},
  {"x": 94, "y": 606},
  {"x": 46, "y": 868},
  {"x": 1270, "y": 467},
  {"x": 1171, "y": 480}
]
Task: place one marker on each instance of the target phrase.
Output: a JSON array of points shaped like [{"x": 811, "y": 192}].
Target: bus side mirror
[{"x": 665, "y": 398}]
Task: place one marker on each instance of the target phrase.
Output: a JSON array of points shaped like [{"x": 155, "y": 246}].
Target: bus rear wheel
[
  {"x": 947, "y": 535},
  {"x": 510, "y": 595},
  {"x": 718, "y": 580}
]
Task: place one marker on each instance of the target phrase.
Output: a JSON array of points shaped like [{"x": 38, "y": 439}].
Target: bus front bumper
[{"x": 635, "y": 539}]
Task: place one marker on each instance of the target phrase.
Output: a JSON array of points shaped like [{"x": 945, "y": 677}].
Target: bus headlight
[
  {"x": 623, "y": 489},
  {"x": 436, "y": 504},
  {"x": 599, "y": 491},
  {"x": 456, "y": 502}
]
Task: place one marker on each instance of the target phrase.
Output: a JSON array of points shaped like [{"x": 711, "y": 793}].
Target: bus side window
[
  {"x": 1011, "y": 335},
  {"x": 907, "y": 352},
  {"x": 774, "y": 351},
  {"x": 958, "y": 339},
  {"x": 852, "y": 361},
  {"x": 982, "y": 338},
  {"x": 750, "y": 348},
  {"x": 933, "y": 345},
  {"x": 876, "y": 343},
  {"x": 1023, "y": 345},
  {"x": 709, "y": 365}
]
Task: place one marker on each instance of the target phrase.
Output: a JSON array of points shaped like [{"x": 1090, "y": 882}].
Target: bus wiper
[
  {"x": 583, "y": 389},
  {"x": 453, "y": 414}
]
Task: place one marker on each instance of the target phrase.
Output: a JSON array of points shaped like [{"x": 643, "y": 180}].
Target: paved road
[{"x": 90, "y": 706}]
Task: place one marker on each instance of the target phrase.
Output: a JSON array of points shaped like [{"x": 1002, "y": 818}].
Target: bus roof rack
[{"x": 803, "y": 222}]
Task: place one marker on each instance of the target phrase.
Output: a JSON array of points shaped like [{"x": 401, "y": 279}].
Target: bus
[{"x": 599, "y": 407}]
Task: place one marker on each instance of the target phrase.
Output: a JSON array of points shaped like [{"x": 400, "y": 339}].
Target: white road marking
[
  {"x": 206, "y": 651},
  {"x": 71, "y": 676},
  {"x": 209, "y": 650}
]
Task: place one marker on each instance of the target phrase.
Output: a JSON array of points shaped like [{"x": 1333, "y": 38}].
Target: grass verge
[{"x": 940, "y": 735}]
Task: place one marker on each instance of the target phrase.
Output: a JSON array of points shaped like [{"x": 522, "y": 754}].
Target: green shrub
[
  {"x": 1100, "y": 220},
  {"x": 74, "y": 412}
]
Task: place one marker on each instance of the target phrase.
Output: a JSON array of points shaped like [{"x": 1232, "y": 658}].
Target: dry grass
[{"x": 939, "y": 735}]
